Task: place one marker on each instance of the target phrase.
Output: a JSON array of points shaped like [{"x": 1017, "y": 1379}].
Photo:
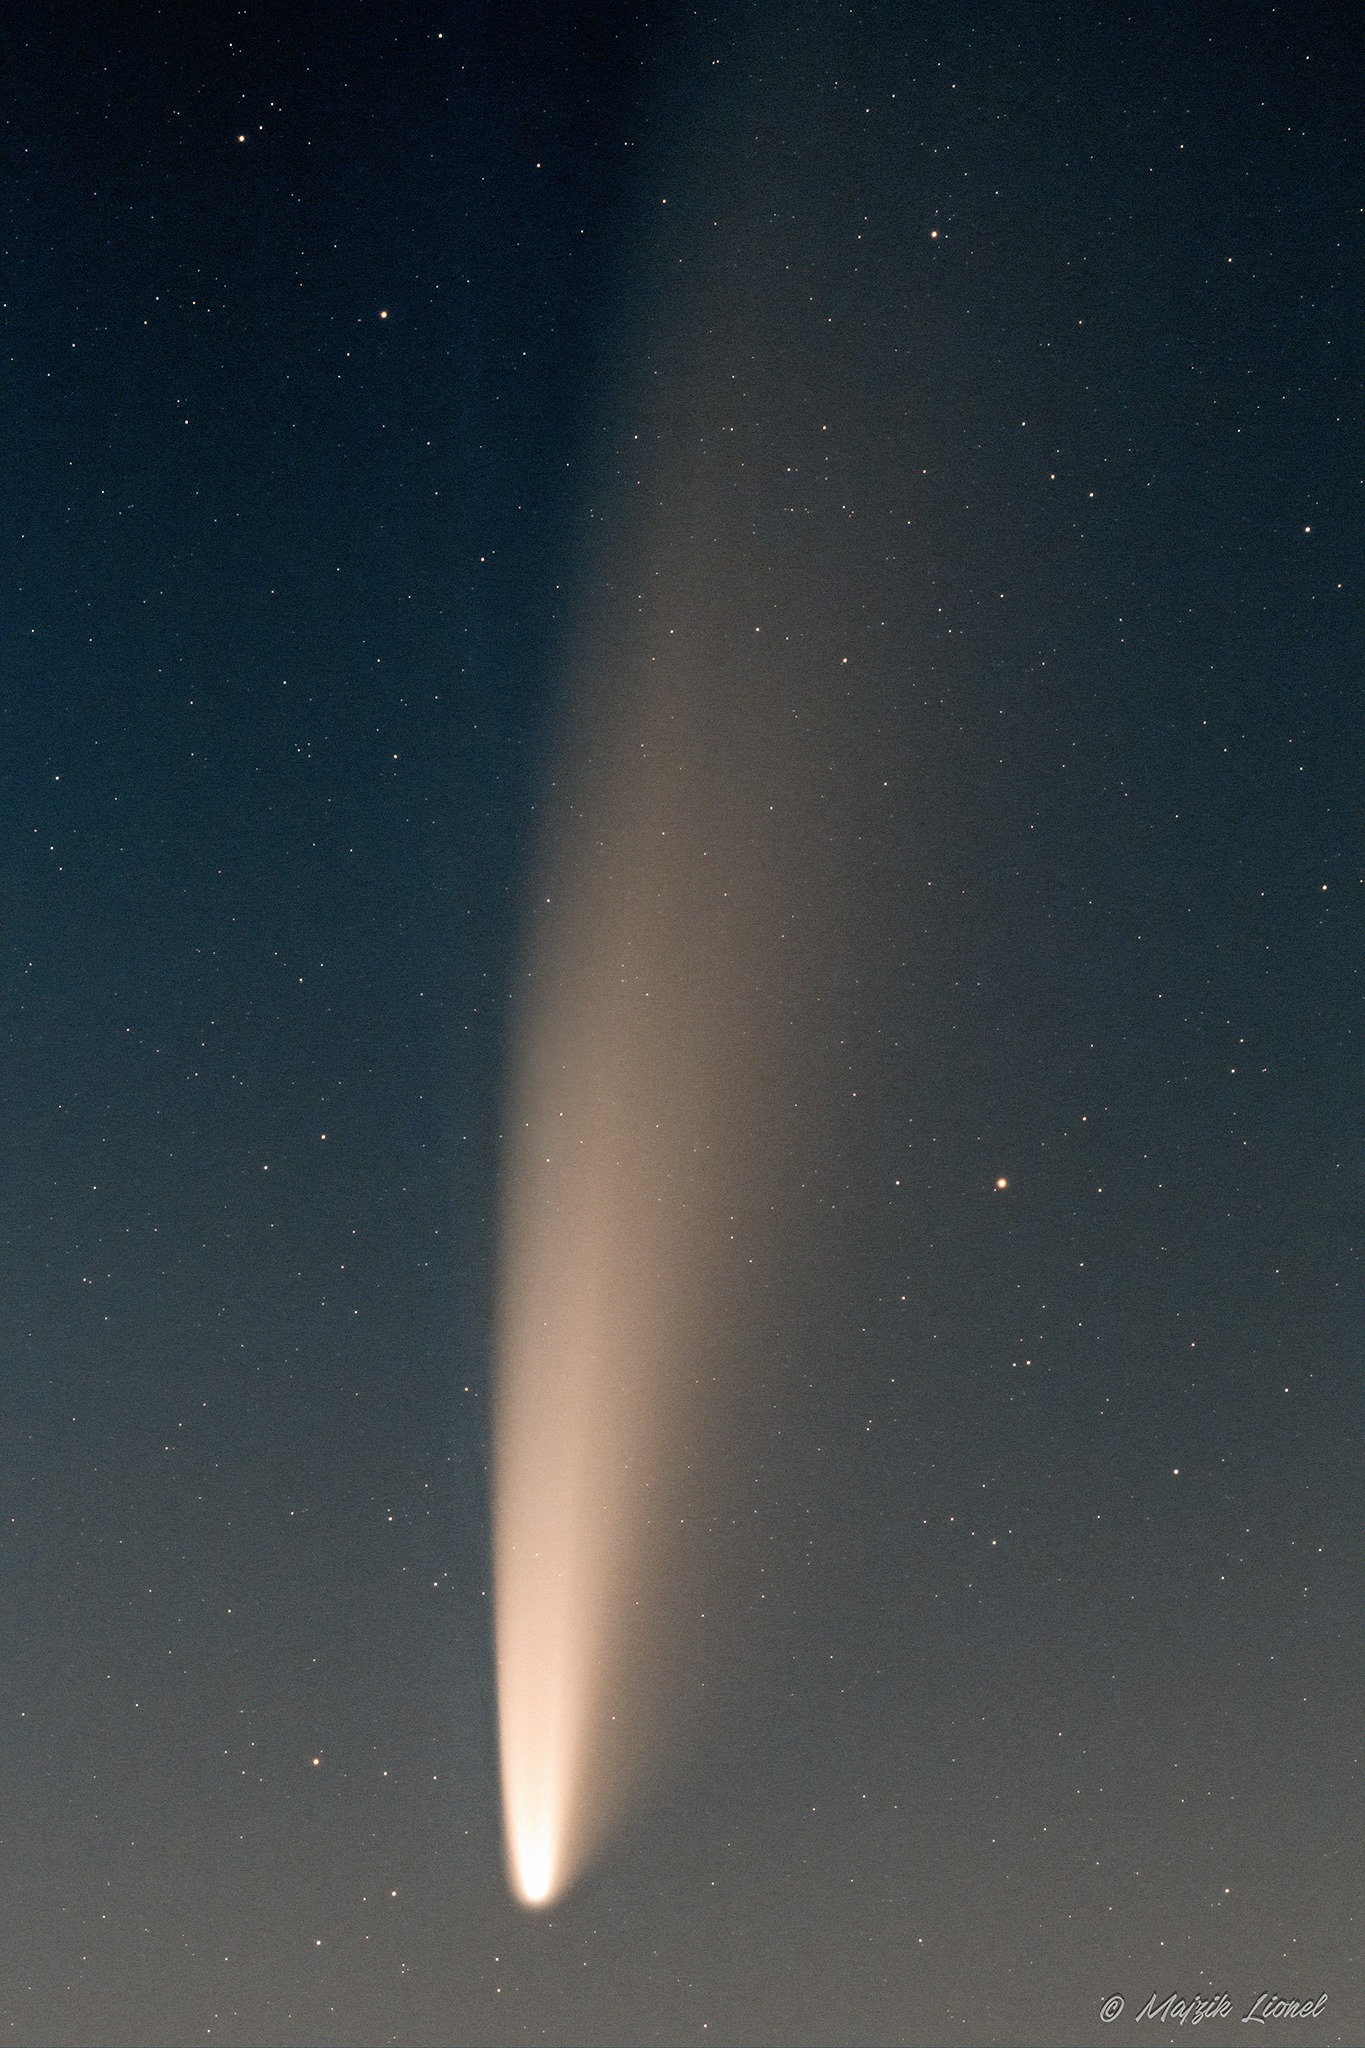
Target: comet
[
  {"x": 606, "y": 1226},
  {"x": 659, "y": 1049},
  {"x": 692, "y": 884}
]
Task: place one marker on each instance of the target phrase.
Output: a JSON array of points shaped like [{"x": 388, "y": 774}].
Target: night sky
[{"x": 1002, "y": 364}]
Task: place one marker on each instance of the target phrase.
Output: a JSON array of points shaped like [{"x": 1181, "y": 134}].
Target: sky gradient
[{"x": 977, "y": 391}]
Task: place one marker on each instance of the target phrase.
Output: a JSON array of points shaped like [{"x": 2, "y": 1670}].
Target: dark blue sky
[{"x": 1045, "y": 1654}]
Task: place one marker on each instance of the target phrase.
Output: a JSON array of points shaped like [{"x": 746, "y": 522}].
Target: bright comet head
[{"x": 532, "y": 1868}]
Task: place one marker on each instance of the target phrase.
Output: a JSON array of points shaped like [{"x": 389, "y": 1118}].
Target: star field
[{"x": 975, "y": 391}]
